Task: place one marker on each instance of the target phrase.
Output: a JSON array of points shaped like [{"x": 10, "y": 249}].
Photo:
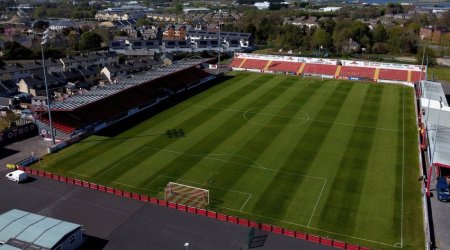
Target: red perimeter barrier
[
  {"x": 232, "y": 219},
  {"x": 182, "y": 207},
  {"x": 20, "y": 167},
  {"x": 172, "y": 205},
  {"x": 201, "y": 211},
  {"x": 253, "y": 224},
  {"x": 222, "y": 217},
  {"x": 313, "y": 238},
  {"x": 339, "y": 244},
  {"x": 144, "y": 198},
  {"x": 277, "y": 230},
  {"x": 289, "y": 233},
  {"x": 93, "y": 186},
  {"x": 243, "y": 222},
  {"x": 192, "y": 210},
  {"x": 135, "y": 196},
  {"x": 211, "y": 214},
  {"x": 326, "y": 242},
  {"x": 266, "y": 227},
  {"x": 352, "y": 247},
  {"x": 204, "y": 212},
  {"x": 302, "y": 236}
]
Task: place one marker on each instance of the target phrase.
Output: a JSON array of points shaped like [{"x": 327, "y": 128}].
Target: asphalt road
[
  {"x": 20, "y": 150},
  {"x": 122, "y": 223}
]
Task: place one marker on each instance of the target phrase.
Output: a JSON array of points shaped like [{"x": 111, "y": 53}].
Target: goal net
[{"x": 187, "y": 195}]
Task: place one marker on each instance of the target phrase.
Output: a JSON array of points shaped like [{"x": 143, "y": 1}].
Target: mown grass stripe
[
  {"x": 257, "y": 144},
  {"x": 102, "y": 147},
  {"x": 209, "y": 139},
  {"x": 342, "y": 205},
  {"x": 133, "y": 144},
  {"x": 199, "y": 124},
  {"x": 304, "y": 153}
]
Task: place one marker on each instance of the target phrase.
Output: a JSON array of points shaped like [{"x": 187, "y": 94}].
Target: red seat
[
  {"x": 290, "y": 67},
  {"x": 254, "y": 64},
  {"x": 320, "y": 69},
  {"x": 236, "y": 62},
  {"x": 359, "y": 72},
  {"x": 393, "y": 74},
  {"x": 416, "y": 76}
]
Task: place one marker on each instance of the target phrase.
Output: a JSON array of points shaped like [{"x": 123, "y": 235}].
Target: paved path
[{"x": 122, "y": 223}]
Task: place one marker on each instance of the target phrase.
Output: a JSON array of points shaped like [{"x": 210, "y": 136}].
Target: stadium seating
[
  {"x": 236, "y": 62},
  {"x": 319, "y": 69},
  {"x": 358, "y": 72},
  {"x": 290, "y": 67},
  {"x": 415, "y": 77},
  {"x": 393, "y": 75},
  {"x": 255, "y": 64}
]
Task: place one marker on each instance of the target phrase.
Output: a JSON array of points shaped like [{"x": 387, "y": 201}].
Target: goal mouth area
[{"x": 186, "y": 195}]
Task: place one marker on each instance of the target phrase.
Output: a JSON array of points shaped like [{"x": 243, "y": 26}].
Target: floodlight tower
[{"x": 43, "y": 42}]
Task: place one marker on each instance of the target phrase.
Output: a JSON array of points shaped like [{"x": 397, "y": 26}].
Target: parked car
[
  {"x": 442, "y": 190},
  {"x": 17, "y": 176}
]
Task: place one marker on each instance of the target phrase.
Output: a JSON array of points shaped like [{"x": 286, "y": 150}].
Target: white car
[{"x": 17, "y": 176}]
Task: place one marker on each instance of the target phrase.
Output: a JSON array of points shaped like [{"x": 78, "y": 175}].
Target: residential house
[
  {"x": 35, "y": 84},
  {"x": 96, "y": 59},
  {"x": 58, "y": 25},
  {"x": 116, "y": 71},
  {"x": 176, "y": 32}
]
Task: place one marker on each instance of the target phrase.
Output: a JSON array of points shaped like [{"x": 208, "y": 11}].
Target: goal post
[{"x": 187, "y": 195}]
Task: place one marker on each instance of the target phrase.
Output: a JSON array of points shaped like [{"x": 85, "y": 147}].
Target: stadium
[{"x": 302, "y": 147}]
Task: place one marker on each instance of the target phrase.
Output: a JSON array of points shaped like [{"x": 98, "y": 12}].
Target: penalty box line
[{"x": 249, "y": 195}]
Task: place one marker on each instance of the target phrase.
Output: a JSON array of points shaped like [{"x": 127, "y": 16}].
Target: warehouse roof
[{"x": 20, "y": 227}]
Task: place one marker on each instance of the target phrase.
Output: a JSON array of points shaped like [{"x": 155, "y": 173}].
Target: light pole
[
  {"x": 44, "y": 41},
  {"x": 220, "y": 44}
]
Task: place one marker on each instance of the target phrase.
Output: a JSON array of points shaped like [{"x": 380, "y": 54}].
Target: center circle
[{"x": 276, "y": 116}]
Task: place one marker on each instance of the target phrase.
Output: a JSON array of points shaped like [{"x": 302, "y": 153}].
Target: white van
[{"x": 17, "y": 176}]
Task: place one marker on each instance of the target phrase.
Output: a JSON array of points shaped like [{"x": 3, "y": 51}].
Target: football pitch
[{"x": 329, "y": 157}]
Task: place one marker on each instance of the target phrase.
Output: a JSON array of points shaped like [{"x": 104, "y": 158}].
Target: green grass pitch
[{"x": 334, "y": 158}]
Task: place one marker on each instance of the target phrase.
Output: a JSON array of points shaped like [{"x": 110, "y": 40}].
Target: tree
[
  {"x": 90, "y": 40},
  {"x": 379, "y": 33},
  {"x": 340, "y": 38},
  {"x": 321, "y": 38},
  {"x": 142, "y": 22},
  {"x": 13, "y": 50},
  {"x": 40, "y": 12},
  {"x": 40, "y": 25},
  {"x": 429, "y": 55},
  {"x": 72, "y": 39}
]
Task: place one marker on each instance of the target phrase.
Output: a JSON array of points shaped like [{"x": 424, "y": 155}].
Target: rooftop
[
  {"x": 98, "y": 94},
  {"x": 37, "y": 230}
]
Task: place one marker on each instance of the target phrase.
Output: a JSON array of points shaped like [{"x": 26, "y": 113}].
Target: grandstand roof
[{"x": 100, "y": 93}]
